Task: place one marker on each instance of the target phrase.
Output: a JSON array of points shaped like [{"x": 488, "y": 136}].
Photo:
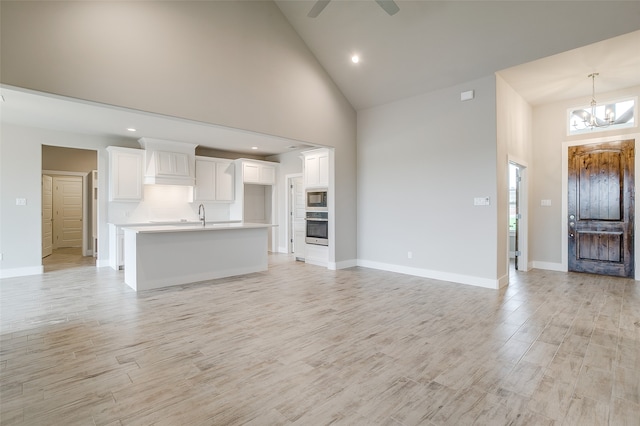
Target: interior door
[
  {"x": 601, "y": 208},
  {"x": 47, "y": 215},
  {"x": 67, "y": 211},
  {"x": 296, "y": 215}
]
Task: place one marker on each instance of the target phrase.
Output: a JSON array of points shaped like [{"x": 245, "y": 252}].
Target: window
[{"x": 609, "y": 115}]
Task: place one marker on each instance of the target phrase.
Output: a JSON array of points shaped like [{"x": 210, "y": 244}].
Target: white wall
[
  {"x": 20, "y": 171},
  {"x": 549, "y": 134},
  {"x": 237, "y": 64},
  {"x": 421, "y": 163}
]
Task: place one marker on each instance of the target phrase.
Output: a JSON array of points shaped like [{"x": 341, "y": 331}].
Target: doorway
[
  {"x": 69, "y": 205},
  {"x": 296, "y": 216},
  {"x": 514, "y": 214},
  {"x": 600, "y": 208},
  {"x": 518, "y": 218}
]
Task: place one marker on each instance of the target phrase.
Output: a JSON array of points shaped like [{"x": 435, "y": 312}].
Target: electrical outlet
[
  {"x": 409, "y": 255},
  {"x": 21, "y": 201}
]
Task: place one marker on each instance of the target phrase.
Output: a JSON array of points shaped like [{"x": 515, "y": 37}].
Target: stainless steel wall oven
[{"x": 317, "y": 228}]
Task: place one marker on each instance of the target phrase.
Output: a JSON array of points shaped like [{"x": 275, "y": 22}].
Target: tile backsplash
[{"x": 165, "y": 203}]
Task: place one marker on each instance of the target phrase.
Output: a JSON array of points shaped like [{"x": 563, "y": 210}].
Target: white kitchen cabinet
[
  {"x": 215, "y": 179},
  {"x": 125, "y": 174},
  {"x": 316, "y": 168},
  {"x": 258, "y": 173},
  {"x": 225, "y": 181},
  {"x": 316, "y": 255}
]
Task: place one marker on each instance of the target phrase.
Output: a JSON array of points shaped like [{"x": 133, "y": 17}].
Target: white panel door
[
  {"x": 297, "y": 228},
  {"x": 47, "y": 215},
  {"x": 67, "y": 211}
]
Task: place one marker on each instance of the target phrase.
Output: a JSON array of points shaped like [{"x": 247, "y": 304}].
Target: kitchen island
[{"x": 167, "y": 255}]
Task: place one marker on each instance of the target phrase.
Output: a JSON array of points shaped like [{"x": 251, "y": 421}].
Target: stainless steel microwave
[{"x": 316, "y": 199}]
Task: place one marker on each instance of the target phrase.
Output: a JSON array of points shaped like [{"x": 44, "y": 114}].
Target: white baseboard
[
  {"x": 343, "y": 264},
  {"x": 316, "y": 262},
  {"x": 102, "y": 263},
  {"x": 436, "y": 275},
  {"x": 550, "y": 266},
  {"x": 21, "y": 272}
]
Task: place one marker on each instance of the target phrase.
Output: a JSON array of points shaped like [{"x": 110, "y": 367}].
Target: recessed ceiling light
[
  {"x": 131, "y": 129},
  {"x": 355, "y": 59},
  {"x": 254, "y": 147}
]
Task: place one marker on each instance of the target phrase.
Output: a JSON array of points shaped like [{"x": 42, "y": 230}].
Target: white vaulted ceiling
[{"x": 430, "y": 45}]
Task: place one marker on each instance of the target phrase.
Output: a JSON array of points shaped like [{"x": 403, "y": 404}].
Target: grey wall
[
  {"x": 421, "y": 163},
  {"x": 514, "y": 128},
  {"x": 20, "y": 171},
  {"x": 237, "y": 64}
]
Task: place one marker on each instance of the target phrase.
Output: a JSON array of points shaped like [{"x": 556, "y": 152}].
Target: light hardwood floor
[{"x": 303, "y": 345}]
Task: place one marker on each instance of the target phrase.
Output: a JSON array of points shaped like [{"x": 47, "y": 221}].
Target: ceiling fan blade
[
  {"x": 389, "y": 6},
  {"x": 317, "y": 8}
]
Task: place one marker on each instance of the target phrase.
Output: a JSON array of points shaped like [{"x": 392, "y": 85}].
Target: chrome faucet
[{"x": 201, "y": 214}]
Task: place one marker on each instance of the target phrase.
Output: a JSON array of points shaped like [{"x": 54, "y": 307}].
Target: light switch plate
[
  {"x": 545, "y": 203},
  {"x": 21, "y": 201},
  {"x": 481, "y": 201},
  {"x": 467, "y": 96}
]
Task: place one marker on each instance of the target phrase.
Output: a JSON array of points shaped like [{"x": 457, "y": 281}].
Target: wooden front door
[{"x": 601, "y": 208}]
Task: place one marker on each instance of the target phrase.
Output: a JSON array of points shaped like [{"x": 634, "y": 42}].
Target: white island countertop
[{"x": 192, "y": 227}]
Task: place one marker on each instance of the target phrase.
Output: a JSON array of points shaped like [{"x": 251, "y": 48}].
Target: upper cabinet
[
  {"x": 258, "y": 172},
  {"x": 169, "y": 163},
  {"x": 215, "y": 179},
  {"x": 316, "y": 168},
  {"x": 125, "y": 173}
]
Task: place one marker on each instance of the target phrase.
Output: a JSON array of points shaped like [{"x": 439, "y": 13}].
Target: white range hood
[{"x": 168, "y": 162}]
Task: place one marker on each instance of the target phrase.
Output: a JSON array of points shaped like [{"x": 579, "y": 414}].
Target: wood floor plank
[{"x": 300, "y": 344}]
